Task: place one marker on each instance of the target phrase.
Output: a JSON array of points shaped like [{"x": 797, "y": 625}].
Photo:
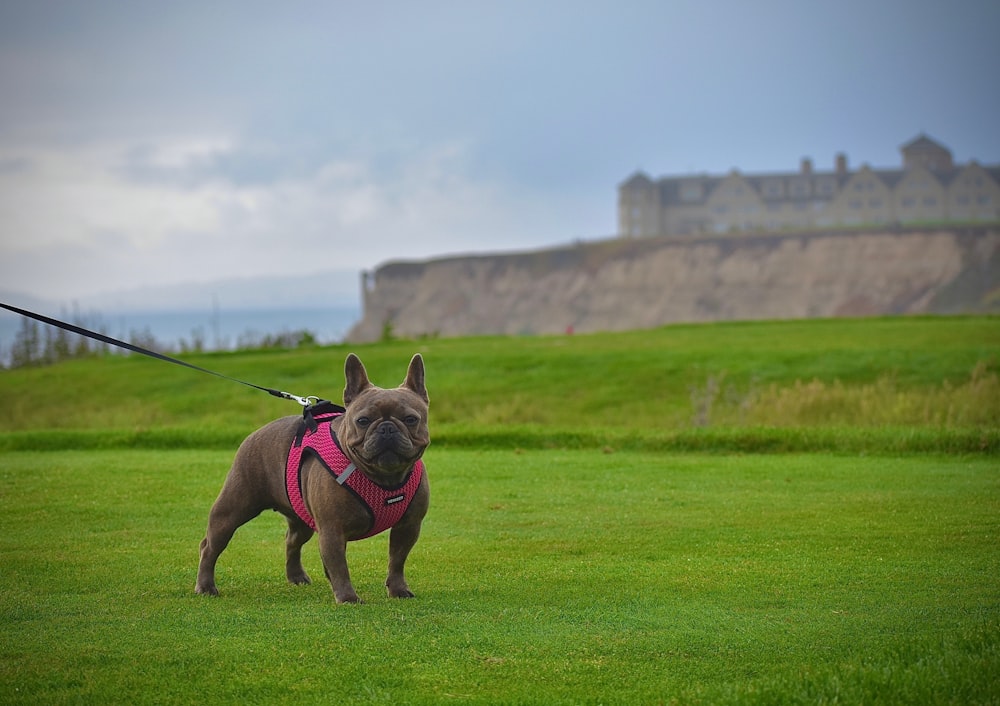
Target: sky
[{"x": 146, "y": 144}]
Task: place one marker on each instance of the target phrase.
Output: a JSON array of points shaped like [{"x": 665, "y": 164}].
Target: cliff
[{"x": 623, "y": 284}]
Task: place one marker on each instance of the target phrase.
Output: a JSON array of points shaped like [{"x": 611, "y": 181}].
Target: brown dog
[{"x": 382, "y": 433}]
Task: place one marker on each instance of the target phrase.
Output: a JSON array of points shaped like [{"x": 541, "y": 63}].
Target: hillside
[
  {"x": 891, "y": 385},
  {"x": 624, "y": 284}
]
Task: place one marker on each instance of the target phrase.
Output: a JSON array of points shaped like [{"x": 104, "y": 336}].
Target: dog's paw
[
  {"x": 398, "y": 590},
  {"x": 349, "y": 598},
  {"x": 206, "y": 590},
  {"x": 300, "y": 579}
]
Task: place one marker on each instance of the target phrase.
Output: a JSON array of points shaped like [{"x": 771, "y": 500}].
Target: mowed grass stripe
[{"x": 543, "y": 576}]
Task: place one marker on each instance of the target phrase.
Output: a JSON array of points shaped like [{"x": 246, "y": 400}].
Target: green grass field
[
  {"x": 770, "y": 513},
  {"x": 929, "y": 373}
]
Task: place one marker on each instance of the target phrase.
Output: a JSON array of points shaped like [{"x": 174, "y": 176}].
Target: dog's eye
[
  {"x": 411, "y": 420},
  {"x": 362, "y": 421}
]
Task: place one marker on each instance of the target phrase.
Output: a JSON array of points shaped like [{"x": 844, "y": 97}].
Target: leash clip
[{"x": 304, "y": 401}]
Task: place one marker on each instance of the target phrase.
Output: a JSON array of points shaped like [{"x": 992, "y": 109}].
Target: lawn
[
  {"x": 743, "y": 513},
  {"x": 560, "y": 576}
]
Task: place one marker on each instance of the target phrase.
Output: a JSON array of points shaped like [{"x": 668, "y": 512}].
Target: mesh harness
[{"x": 385, "y": 506}]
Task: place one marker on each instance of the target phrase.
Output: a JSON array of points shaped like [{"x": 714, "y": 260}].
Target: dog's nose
[{"x": 387, "y": 429}]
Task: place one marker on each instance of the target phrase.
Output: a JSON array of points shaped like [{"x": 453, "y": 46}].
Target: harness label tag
[{"x": 395, "y": 499}]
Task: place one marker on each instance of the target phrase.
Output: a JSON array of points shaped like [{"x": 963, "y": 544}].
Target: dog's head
[{"x": 384, "y": 432}]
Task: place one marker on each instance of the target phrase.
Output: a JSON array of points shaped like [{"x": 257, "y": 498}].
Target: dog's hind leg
[
  {"x": 298, "y": 534},
  {"x": 223, "y": 521}
]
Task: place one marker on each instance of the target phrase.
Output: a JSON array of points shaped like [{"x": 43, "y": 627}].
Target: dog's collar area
[{"x": 318, "y": 408}]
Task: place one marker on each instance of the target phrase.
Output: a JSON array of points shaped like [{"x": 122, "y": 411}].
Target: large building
[{"x": 929, "y": 188}]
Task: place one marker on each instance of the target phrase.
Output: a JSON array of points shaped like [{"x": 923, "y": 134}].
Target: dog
[{"x": 381, "y": 435}]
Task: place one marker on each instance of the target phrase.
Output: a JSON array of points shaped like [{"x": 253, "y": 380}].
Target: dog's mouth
[{"x": 389, "y": 458}]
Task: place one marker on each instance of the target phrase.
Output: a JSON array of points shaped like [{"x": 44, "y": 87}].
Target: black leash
[{"x": 304, "y": 401}]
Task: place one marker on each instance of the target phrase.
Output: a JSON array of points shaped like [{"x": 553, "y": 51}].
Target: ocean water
[{"x": 217, "y": 330}]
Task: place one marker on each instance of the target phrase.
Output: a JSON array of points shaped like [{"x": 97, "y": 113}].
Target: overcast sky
[{"x": 161, "y": 142}]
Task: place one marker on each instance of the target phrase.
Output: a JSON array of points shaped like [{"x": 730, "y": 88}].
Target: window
[
  {"x": 798, "y": 187},
  {"x": 855, "y": 203},
  {"x": 691, "y": 191},
  {"x": 875, "y": 203},
  {"x": 929, "y": 201},
  {"x": 825, "y": 187},
  {"x": 909, "y": 202},
  {"x": 984, "y": 200}
]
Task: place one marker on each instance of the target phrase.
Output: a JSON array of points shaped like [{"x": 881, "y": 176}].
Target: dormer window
[{"x": 691, "y": 191}]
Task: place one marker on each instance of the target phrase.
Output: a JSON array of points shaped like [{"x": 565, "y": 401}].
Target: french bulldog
[{"x": 382, "y": 433}]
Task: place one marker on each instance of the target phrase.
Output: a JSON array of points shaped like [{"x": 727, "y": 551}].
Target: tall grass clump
[{"x": 884, "y": 402}]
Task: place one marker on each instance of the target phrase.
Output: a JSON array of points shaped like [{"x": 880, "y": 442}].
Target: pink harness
[{"x": 386, "y": 506}]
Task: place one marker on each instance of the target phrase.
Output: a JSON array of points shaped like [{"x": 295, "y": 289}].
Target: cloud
[
  {"x": 122, "y": 214},
  {"x": 153, "y": 143},
  {"x": 71, "y": 197}
]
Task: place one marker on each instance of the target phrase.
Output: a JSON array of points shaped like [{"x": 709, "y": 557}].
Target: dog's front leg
[
  {"x": 333, "y": 550},
  {"x": 297, "y": 535},
  {"x": 401, "y": 541}
]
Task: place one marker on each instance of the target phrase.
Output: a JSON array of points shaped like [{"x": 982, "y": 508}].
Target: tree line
[{"x": 37, "y": 344}]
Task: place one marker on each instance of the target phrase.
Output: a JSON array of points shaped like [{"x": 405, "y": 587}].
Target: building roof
[
  {"x": 922, "y": 143},
  {"x": 639, "y": 178},
  {"x": 676, "y": 190}
]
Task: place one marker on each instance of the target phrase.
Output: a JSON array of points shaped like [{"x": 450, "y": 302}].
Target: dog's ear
[
  {"x": 357, "y": 378},
  {"x": 415, "y": 377}
]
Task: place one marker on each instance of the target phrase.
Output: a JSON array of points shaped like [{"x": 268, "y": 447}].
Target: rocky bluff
[{"x": 634, "y": 283}]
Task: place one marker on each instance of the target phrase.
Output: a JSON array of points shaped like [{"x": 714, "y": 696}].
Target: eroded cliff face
[{"x": 640, "y": 283}]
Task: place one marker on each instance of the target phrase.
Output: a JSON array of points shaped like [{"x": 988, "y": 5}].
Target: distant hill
[
  {"x": 632, "y": 283},
  {"x": 324, "y": 289}
]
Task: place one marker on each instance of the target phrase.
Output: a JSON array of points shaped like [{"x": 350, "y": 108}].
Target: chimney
[
  {"x": 806, "y": 166},
  {"x": 841, "y": 164}
]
